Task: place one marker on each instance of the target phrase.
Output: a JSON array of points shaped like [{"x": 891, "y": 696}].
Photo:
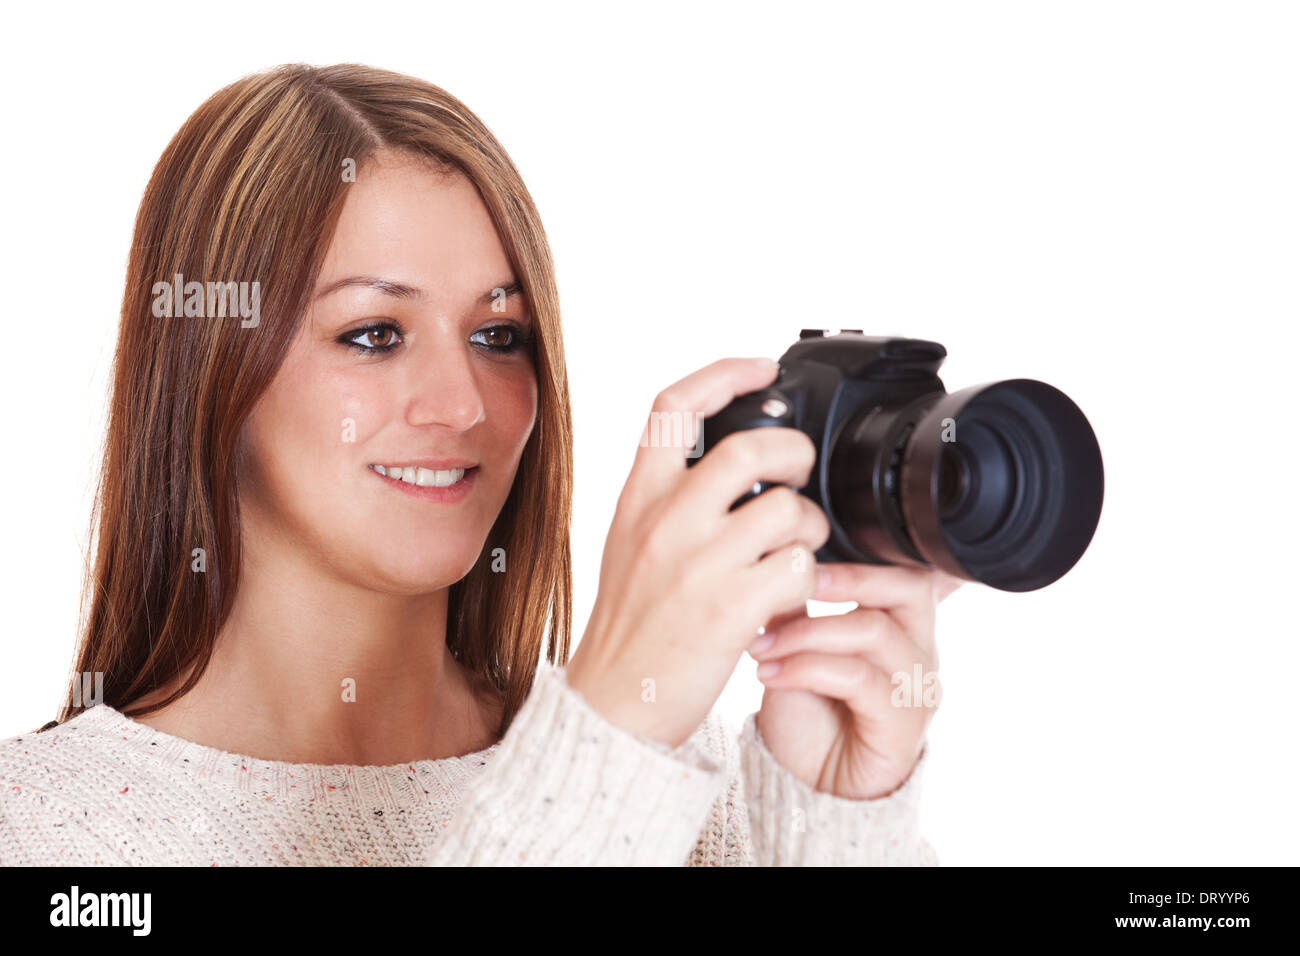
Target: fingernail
[
  {"x": 766, "y": 364},
  {"x": 768, "y": 669},
  {"x": 762, "y": 643}
]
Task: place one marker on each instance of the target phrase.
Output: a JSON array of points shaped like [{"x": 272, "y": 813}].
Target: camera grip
[{"x": 766, "y": 408}]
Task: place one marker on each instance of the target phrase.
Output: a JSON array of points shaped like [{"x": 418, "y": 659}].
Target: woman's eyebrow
[
  {"x": 502, "y": 291},
  {"x": 400, "y": 290},
  {"x": 397, "y": 290}
]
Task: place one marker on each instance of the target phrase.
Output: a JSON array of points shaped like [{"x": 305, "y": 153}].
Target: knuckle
[
  {"x": 824, "y": 535},
  {"x": 875, "y": 626},
  {"x": 669, "y": 400},
  {"x": 873, "y": 622},
  {"x": 786, "y": 506},
  {"x": 629, "y": 498},
  {"x": 739, "y": 453},
  {"x": 807, "y": 453},
  {"x": 815, "y": 521}
]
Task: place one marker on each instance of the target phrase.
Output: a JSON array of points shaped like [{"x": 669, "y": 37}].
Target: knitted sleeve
[
  {"x": 793, "y": 825},
  {"x": 567, "y": 787}
]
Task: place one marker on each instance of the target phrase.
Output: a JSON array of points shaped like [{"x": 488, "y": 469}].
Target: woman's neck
[{"x": 310, "y": 670}]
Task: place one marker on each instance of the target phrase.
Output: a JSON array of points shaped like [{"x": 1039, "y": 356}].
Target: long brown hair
[{"x": 251, "y": 189}]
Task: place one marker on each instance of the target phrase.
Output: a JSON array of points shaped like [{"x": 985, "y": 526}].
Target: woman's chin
[{"x": 419, "y": 575}]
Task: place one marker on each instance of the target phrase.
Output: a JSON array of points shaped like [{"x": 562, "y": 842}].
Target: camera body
[{"x": 999, "y": 483}]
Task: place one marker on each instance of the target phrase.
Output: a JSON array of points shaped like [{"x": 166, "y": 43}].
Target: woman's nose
[{"x": 443, "y": 389}]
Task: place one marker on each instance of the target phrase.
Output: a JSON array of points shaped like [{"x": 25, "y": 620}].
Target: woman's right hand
[{"x": 685, "y": 584}]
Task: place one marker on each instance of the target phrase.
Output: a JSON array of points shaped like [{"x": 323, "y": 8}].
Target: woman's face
[{"x": 401, "y": 362}]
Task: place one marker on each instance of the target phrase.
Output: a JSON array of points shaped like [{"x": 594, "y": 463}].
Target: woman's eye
[
  {"x": 373, "y": 338},
  {"x": 502, "y": 338},
  {"x": 385, "y": 336}
]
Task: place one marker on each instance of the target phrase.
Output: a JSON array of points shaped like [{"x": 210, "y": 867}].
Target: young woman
[{"x": 332, "y": 531}]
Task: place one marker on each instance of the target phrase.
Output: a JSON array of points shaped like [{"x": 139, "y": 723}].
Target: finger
[
  {"x": 866, "y": 690},
  {"x": 779, "y": 584},
  {"x": 671, "y": 427},
  {"x": 908, "y": 593},
  {"x": 779, "y": 619},
  {"x": 868, "y": 633},
  {"x": 781, "y": 455},
  {"x": 777, "y": 517},
  {"x": 850, "y": 679},
  {"x": 879, "y": 585},
  {"x": 946, "y": 583}
]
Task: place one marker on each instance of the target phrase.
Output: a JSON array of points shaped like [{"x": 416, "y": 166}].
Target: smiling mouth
[{"x": 424, "y": 477}]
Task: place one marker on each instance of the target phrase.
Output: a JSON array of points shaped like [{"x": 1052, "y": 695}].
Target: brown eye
[
  {"x": 506, "y": 339},
  {"x": 383, "y": 337}
]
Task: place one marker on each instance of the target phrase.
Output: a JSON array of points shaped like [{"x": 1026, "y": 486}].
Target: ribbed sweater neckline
[{"x": 395, "y": 786}]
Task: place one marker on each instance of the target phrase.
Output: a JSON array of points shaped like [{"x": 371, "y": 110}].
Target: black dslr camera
[{"x": 999, "y": 483}]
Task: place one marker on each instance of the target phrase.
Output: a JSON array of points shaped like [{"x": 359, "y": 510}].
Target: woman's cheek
[{"x": 520, "y": 411}]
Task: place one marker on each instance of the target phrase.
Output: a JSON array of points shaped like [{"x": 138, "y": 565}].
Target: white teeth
[
  {"x": 424, "y": 477},
  {"x": 439, "y": 479}
]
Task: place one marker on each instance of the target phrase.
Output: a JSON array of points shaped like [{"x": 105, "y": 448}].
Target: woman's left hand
[{"x": 831, "y": 714}]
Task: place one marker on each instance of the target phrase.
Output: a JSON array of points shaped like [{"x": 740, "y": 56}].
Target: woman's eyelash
[
  {"x": 519, "y": 339},
  {"x": 350, "y": 338}
]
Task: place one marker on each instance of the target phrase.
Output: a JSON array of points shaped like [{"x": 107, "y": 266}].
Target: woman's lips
[{"x": 446, "y": 495}]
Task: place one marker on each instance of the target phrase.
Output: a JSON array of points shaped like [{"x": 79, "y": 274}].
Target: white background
[{"x": 1099, "y": 195}]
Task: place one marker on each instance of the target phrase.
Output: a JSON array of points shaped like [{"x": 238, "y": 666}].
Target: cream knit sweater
[{"x": 563, "y": 786}]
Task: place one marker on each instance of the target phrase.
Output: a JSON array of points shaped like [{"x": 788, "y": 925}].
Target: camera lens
[
  {"x": 1002, "y": 483},
  {"x": 954, "y": 481},
  {"x": 999, "y": 483}
]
